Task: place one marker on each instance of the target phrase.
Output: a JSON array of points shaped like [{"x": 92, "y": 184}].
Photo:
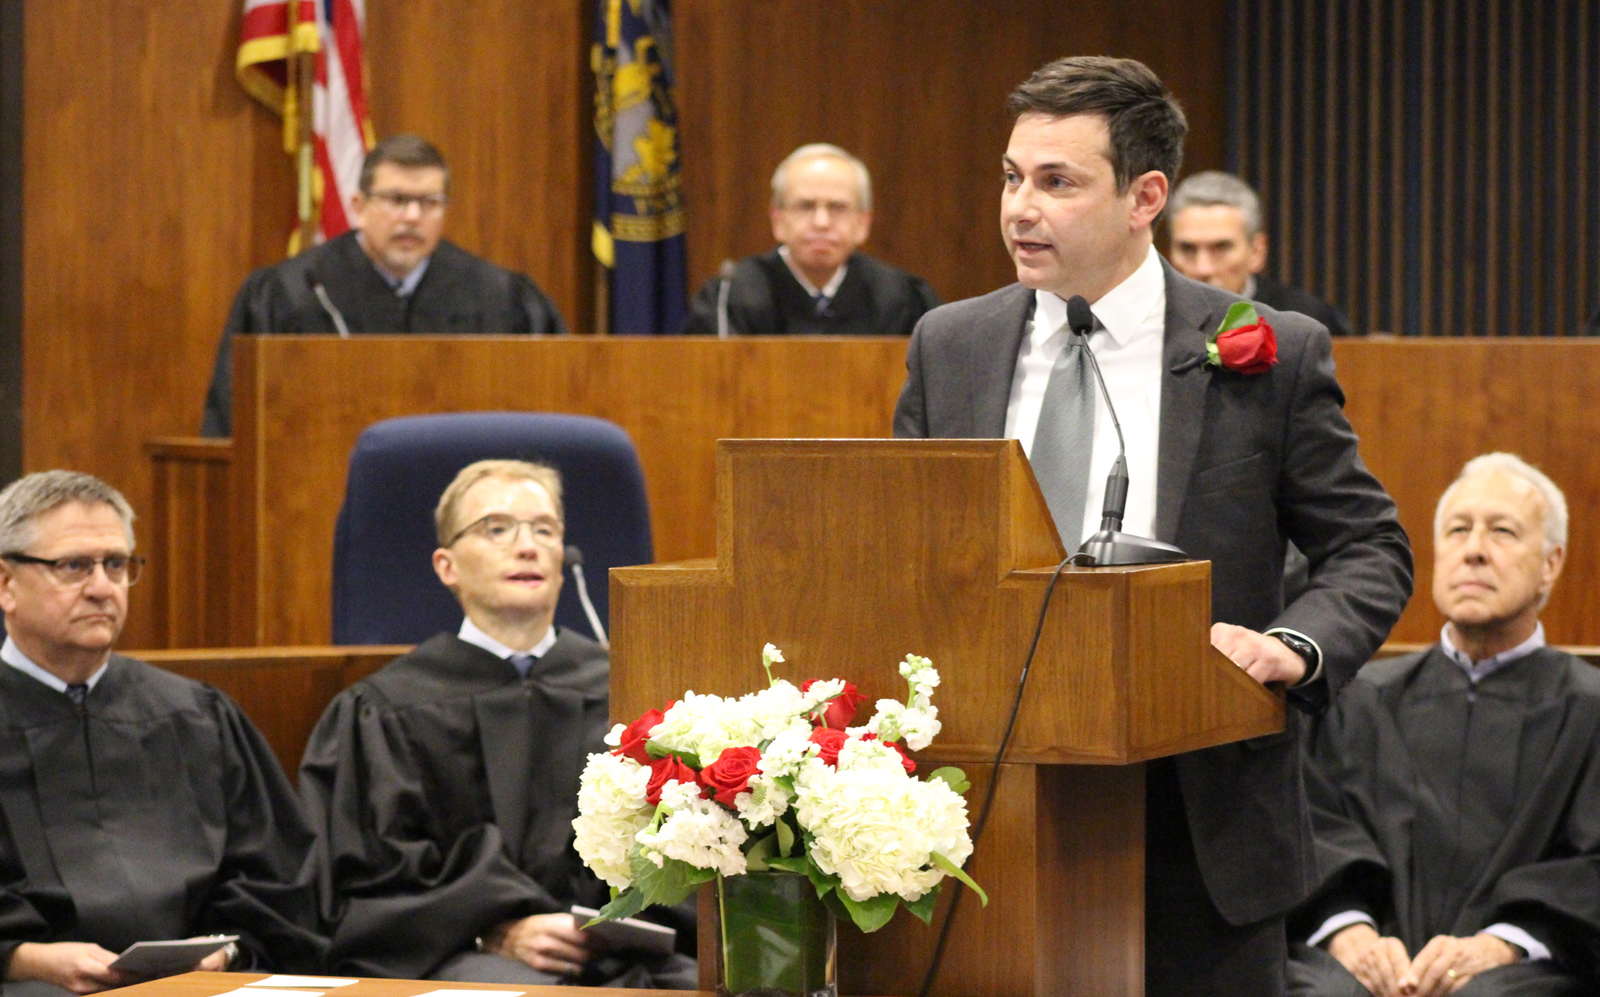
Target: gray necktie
[
  {"x": 523, "y": 663},
  {"x": 820, "y": 301},
  {"x": 1064, "y": 441}
]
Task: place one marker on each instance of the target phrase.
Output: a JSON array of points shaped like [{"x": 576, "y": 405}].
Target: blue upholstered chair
[{"x": 384, "y": 588}]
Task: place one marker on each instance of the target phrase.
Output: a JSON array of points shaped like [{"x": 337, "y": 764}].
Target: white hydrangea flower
[
  {"x": 763, "y": 802},
  {"x": 697, "y": 831},
  {"x": 705, "y": 725},
  {"x": 784, "y": 756},
  {"x": 860, "y": 755},
  {"x": 877, "y": 829},
  {"x": 772, "y": 710},
  {"x": 612, "y": 809}
]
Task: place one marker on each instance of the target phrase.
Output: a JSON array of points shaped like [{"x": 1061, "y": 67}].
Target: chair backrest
[{"x": 384, "y": 587}]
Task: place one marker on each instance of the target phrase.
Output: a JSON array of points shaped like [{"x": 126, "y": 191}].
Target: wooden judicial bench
[{"x": 212, "y": 984}]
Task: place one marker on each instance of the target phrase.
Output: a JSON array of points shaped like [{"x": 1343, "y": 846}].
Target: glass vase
[{"x": 775, "y": 937}]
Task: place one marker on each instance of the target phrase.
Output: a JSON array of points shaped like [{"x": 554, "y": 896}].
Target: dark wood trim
[{"x": 10, "y": 239}]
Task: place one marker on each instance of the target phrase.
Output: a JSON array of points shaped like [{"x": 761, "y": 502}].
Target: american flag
[{"x": 330, "y": 31}]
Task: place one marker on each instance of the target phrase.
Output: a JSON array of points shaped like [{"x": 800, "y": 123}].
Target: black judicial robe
[
  {"x": 157, "y": 812},
  {"x": 1441, "y": 809},
  {"x": 1288, "y": 298},
  {"x": 459, "y": 293},
  {"x": 443, "y": 790},
  {"x": 764, "y": 299}
]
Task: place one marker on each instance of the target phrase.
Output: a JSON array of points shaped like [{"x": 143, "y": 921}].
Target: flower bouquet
[{"x": 769, "y": 794}]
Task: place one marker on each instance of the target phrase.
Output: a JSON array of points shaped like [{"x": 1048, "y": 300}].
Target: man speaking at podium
[
  {"x": 1226, "y": 459},
  {"x": 391, "y": 273}
]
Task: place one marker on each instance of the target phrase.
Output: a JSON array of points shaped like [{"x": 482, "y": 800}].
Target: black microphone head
[
  {"x": 572, "y": 555},
  {"x": 1079, "y": 318}
]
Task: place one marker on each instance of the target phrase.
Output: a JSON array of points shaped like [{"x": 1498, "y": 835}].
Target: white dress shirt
[
  {"x": 12, "y": 655},
  {"x": 1129, "y": 352},
  {"x": 828, "y": 290},
  {"x": 522, "y": 660}
]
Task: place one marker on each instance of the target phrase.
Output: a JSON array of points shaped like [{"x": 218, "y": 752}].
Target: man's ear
[
  {"x": 1149, "y": 197},
  {"x": 8, "y": 596},
  {"x": 1258, "y": 252},
  {"x": 444, "y": 565},
  {"x": 1554, "y": 560}
]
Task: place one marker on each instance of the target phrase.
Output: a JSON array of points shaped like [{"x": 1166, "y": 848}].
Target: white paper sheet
[{"x": 303, "y": 982}]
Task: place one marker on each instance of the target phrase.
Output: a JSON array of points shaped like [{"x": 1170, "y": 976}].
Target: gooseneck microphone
[
  {"x": 725, "y": 275},
  {"x": 327, "y": 305},
  {"x": 1108, "y": 545},
  {"x": 574, "y": 560}
]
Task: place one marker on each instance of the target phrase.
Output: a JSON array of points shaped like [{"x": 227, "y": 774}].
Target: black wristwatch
[{"x": 1307, "y": 650}]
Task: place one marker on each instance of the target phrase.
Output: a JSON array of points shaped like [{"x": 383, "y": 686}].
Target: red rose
[
  {"x": 1249, "y": 349},
  {"x": 841, "y": 709},
  {"x": 730, "y": 774},
  {"x": 637, "y": 733},
  {"x": 905, "y": 759},
  {"x": 831, "y": 741},
  {"x": 665, "y": 770}
]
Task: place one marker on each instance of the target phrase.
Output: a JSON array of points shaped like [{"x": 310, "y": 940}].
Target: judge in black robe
[
  {"x": 1288, "y": 298},
  {"x": 444, "y": 787},
  {"x": 155, "y": 811},
  {"x": 765, "y": 299},
  {"x": 458, "y": 293}
]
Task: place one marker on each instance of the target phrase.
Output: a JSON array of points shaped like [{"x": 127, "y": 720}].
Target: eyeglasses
[
  {"x": 69, "y": 571},
  {"x": 805, "y": 209},
  {"x": 396, "y": 202},
  {"x": 501, "y": 529}
]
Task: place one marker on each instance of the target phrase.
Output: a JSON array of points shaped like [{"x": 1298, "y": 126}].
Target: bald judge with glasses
[
  {"x": 135, "y": 805},
  {"x": 391, "y": 273}
]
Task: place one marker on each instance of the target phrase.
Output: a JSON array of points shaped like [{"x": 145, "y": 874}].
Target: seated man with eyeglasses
[
  {"x": 815, "y": 282},
  {"x": 135, "y": 805},
  {"x": 443, "y": 787},
  {"x": 391, "y": 273}
]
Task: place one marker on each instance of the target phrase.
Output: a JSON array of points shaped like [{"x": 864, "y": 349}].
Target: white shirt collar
[
  {"x": 1249, "y": 291},
  {"x": 473, "y": 634},
  {"x": 1124, "y": 310},
  {"x": 403, "y": 287},
  {"x": 13, "y": 656},
  {"x": 828, "y": 290},
  {"x": 1477, "y": 671}
]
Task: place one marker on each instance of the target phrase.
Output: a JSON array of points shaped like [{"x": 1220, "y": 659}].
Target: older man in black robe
[
  {"x": 1456, "y": 792},
  {"x": 135, "y": 805},
  {"x": 443, "y": 788},
  {"x": 391, "y": 273}
]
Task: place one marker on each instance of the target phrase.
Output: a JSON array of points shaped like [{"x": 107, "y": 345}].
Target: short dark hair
[
  {"x": 1146, "y": 124},
  {"x": 405, "y": 149}
]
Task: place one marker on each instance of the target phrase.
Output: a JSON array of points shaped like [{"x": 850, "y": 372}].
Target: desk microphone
[
  {"x": 574, "y": 560},
  {"x": 327, "y": 305},
  {"x": 725, "y": 274},
  {"x": 1108, "y": 546}
]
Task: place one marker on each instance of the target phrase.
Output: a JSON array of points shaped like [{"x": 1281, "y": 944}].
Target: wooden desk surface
[{"x": 211, "y": 984}]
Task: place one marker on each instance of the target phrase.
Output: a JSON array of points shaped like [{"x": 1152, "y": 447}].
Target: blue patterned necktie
[
  {"x": 1064, "y": 442},
  {"x": 820, "y": 300},
  {"x": 78, "y": 692}
]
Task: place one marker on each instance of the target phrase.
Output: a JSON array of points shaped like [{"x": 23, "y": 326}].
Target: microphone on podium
[
  {"x": 1109, "y": 546},
  {"x": 725, "y": 275},
  {"x": 327, "y": 305},
  {"x": 574, "y": 560}
]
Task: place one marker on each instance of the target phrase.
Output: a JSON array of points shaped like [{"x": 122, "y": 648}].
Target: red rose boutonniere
[{"x": 1244, "y": 342}]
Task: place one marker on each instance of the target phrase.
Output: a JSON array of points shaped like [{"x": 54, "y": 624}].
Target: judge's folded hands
[
  {"x": 1265, "y": 659},
  {"x": 550, "y": 943},
  {"x": 1444, "y": 965},
  {"x": 82, "y": 967}
]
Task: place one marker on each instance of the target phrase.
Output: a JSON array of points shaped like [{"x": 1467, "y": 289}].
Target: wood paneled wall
[
  {"x": 154, "y": 184},
  {"x": 1429, "y": 167},
  {"x": 916, "y": 89}
]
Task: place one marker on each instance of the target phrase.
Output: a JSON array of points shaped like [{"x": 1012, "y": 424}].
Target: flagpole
[{"x": 302, "y": 72}]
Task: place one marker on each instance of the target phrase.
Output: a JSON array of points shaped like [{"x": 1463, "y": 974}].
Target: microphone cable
[{"x": 994, "y": 780}]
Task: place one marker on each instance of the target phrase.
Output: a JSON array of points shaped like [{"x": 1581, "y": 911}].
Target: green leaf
[
  {"x": 870, "y": 915},
  {"x": 785, "y": 837},
  {"x": 763, "y": 849},
  {"x": 688, "y": 758},
  {"x": 952, "y": 777},
  {"x": 625, "y": 904},
  {"x": 794, "y": 863},
  {"x": 923, "y": 907},
  {"x": 955, "y": 870},
  {"x": 1240, "y": 314},
  {"x": 670, "y": 883}
]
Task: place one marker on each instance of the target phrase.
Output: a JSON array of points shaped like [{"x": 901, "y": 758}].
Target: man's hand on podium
[
  {"x": 550, "y": 943},
  {"x": 1265, "y": 659}
]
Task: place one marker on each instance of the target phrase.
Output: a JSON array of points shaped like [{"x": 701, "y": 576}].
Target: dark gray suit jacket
[{"x": 1246, "y": 462}]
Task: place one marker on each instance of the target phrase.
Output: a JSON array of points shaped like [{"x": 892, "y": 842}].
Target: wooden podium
[{"x": 848, "y": 554}]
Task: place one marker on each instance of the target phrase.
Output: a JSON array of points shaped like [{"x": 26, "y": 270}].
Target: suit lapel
[
  {"x": 1183, "y": 398},
  {"x": 996, "y": 340}
]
